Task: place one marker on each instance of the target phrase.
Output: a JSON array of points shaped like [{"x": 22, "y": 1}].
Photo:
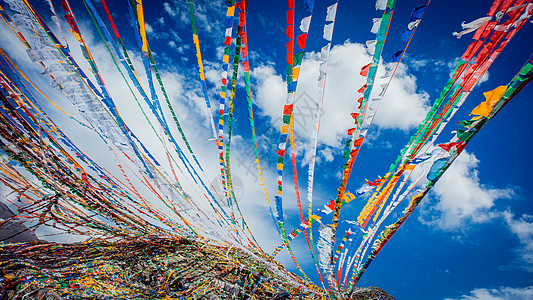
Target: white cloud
[
  {"x": 327, "y": 153},
  {"x": 484, "y": 78},
  {"x": 189, "y": 104},
  {"x": 461, "y": 198},
  {"x": 208, "y": 16},
  {"x": 148, "y": 27},
  {"x": 403, "y": 107},
  {"x": 169, "y": 9},
  {"x": 523, "y": 229},
  {"x": 417, "y": 64},
  {"x": 270, "y": 91},
  {"x": 502, "y": 293}
]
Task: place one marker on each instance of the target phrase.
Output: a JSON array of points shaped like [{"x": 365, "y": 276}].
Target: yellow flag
[{"x": 485, "y": 108}]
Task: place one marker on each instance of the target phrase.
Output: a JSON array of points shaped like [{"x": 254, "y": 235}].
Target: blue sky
[{"x": 471, "y": 238}]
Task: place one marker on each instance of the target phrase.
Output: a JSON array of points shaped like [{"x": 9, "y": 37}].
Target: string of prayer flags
[{"x": 439, "y": 167}]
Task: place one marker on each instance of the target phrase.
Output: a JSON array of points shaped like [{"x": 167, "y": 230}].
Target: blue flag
[
  {"x": 406, "y": 35},
  {"x": 417, "y": 13},
  {"x": 396, "y": 56}
]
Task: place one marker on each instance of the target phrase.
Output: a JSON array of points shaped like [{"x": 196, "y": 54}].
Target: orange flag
[{"x": 485, "y": 108}]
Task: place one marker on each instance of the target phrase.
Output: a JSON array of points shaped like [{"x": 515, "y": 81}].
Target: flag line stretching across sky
[{"x": 159, "y": 186}]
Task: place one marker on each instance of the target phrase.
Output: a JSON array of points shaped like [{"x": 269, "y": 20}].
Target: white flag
[
  {"x": 304, "y": 24},
  {"x": 332, "y": 10},
  {"x": 375, "y": 26},
  {"x": 371, "y": 46},
  {"x": 324, "y": 52},
  {"x": 328, "y": 31},
  {"x": 381, "y": 4}
]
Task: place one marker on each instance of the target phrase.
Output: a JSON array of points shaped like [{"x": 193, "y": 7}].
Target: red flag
[
  {"x": 374, "y": 183},
  {"x": 290, "y": 17},
  {"x": 362, "y": 89},
  {"x": 72, "y": 23},
  {"x": 446, "y": 147},
  {"x": 289, "y": 58},
  {"x": 358, "y": 142},
  {"x": 494, "y": 7},
  {"x": 354, "y": 153},
  {"x": 364, "y": 70},
  {"x": 471, "y": 50},
  {"x": 84, "y": 178},
  {"x": 290, "y": 31},
  {"x": 287, "y": 109},
  {"x": 64, "y": 5},
  {"x": 290, "y": 3},
  {"x": 331, "y": 205},
  {"x": 351, "y": 130},
  {"x": 360, "y": 101},
  {"x": 290, "y": 46},
  {"x": 302, "y": 38},
  {"x": 461, "y": 146}
]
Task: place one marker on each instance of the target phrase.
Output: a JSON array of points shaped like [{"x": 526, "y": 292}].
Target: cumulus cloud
[
  {"x": 403, "y": 107},
  {"x": 327, "y": 153},
  {"x": 523, "y": 229},
  {"x": 208, "y": 16},
  {"x": 501, "y": 293},
  {"x": 148, "y": 27},
  {"x": 188, "y": 102},
  {"x": 459, "y": 198},
  {"x": 270, "y": 92},
  {"x": 484, "y": 78},
  {"x": 168, "y": 9}
]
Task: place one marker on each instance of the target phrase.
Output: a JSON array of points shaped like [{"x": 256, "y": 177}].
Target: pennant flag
[
  {"x": 375, "y": 26},
  {"x": 406, "y": 35},
  {"x": 332, "y": 11},
  {"x": 290, "y": 31},
  {"x": 472, "y": 26},
  {"x": 308, "y": 6},
  {"x": 324, "y": 51},
  {"x": 365, "y": 69},
  {"x": 328, "y": 32},
  {"x": 304, "y": 24},
  {"x": 417, "y": 13},
  {"x": 371, "y": 46},
  {"x": 396, "y": 56},
  {"x": 413, "y": 25},
  {"x": 302, "y": 38},
  {"x": 485, "y": 108},
  {"x": 381, "y": 4},
  {"x": 290, "y": 17}
]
